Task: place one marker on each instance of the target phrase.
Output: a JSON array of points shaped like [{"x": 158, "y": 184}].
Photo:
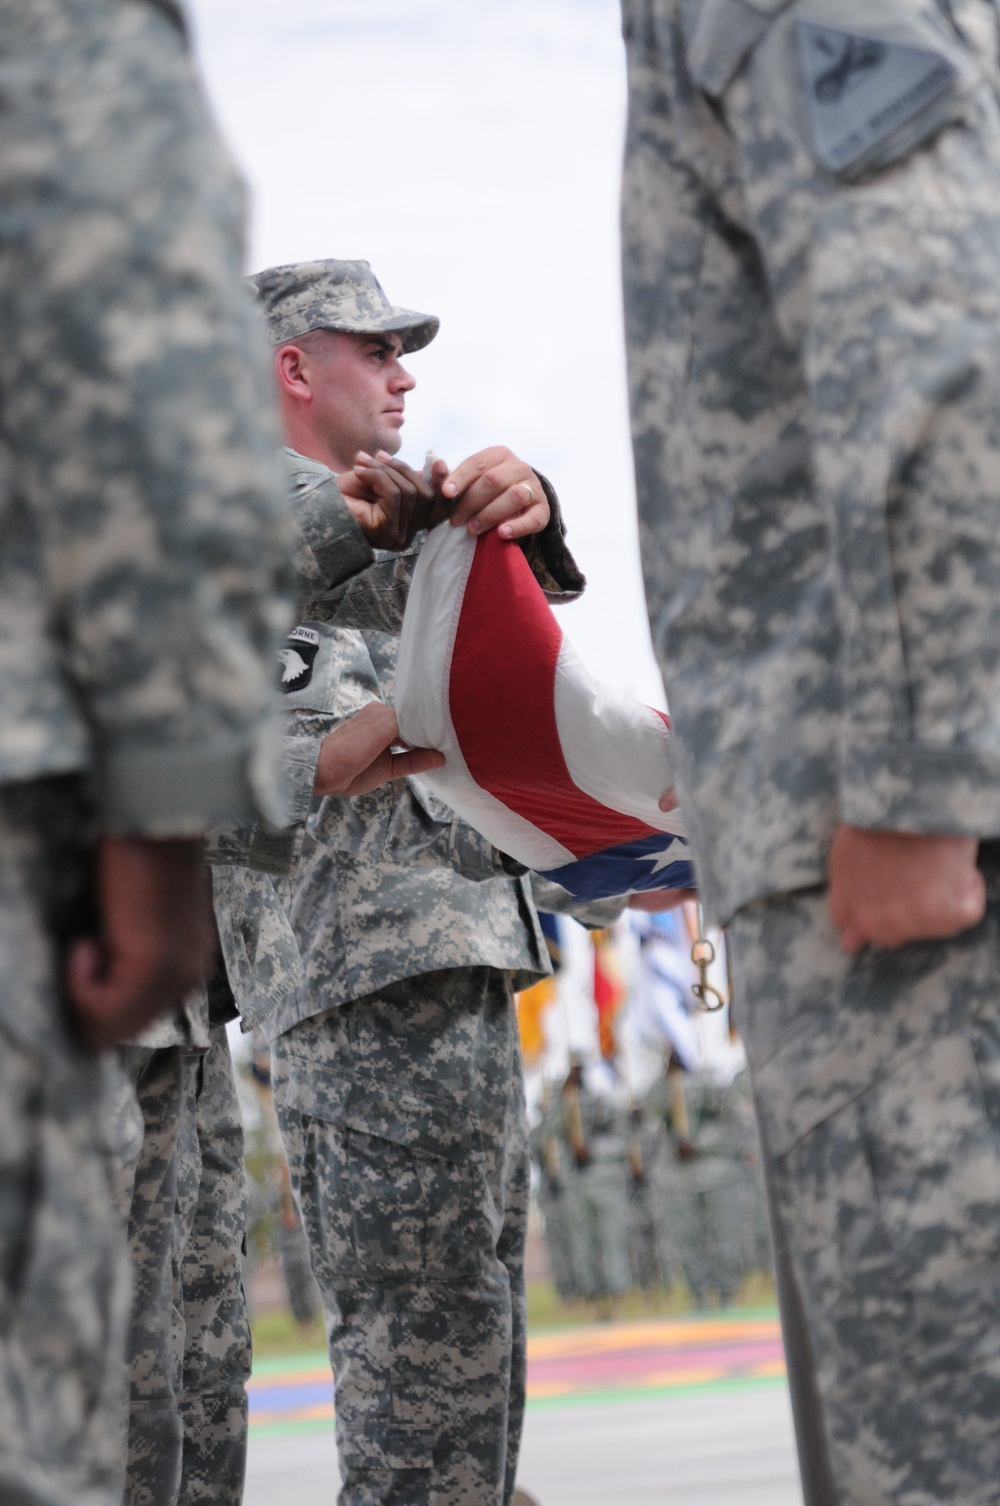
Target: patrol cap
[{"x": 341, "y": 295}]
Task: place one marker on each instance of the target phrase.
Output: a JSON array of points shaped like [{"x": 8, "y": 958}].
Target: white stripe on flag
[{"x": 422, "y": 675}]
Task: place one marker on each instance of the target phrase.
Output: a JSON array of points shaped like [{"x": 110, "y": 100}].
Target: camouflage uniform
[
  {"x": 397, "y": 1082},
  {"x": 597, "y": 1192},
  {"x": 702, "y": 1189},
  {"x": 549, "y": 1156},
  {"x": 142, "y": 535},
  {"x": 189, "y": 1345},
  {"x": 812, "y": 271},
  {"x": 391, "y": 1011},
  {"x": 189, "y": 1340}
]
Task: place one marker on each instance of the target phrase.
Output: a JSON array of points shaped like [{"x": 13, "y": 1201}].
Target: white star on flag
[{"x": 676, "y": 852}]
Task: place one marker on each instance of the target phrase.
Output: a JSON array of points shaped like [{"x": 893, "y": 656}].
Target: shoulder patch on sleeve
[
  {"x": 861, "y": 89},
  {"x": 296, "y": 659}
]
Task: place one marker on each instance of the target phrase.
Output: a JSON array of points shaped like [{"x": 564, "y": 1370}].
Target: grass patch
[{"x": 277, "y": 1333}]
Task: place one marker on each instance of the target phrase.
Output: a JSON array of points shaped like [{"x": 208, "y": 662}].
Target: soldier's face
[{"x": 360, "y": 390}]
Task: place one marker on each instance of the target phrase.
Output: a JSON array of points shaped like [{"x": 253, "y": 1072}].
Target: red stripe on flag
[{"x": 502, "y": 702}]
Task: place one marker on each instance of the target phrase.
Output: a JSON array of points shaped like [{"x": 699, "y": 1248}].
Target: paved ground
[{"x": 686, "y": 1414}]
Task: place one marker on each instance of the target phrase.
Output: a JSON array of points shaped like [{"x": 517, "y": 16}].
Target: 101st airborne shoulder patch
[
  {"x": 861, "y": 89},
  {"x": 297, "y": 658}
]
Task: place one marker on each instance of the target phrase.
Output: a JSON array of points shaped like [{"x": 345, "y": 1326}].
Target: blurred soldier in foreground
[
  {"x": 185, "y": 1194},
  {"x": 143, "y": 580},
  {"x": 812, "y": 274}
]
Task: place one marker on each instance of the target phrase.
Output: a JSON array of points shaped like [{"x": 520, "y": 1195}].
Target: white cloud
[{"x": 472, "y": 154}]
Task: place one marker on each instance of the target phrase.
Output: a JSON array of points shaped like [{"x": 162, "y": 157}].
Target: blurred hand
[
  {"x": 494, "y": 489},
  {"x": 356, "y": 757},
  {"x": 156, "y": 938},
  {"x": 888, "y": 888}
]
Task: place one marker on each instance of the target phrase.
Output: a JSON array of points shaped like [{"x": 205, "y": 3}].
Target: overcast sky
[{"x": 471, "y": 152}]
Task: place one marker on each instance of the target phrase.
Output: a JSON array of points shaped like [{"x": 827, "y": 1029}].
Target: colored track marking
[{"x": 598, "y": 1362}]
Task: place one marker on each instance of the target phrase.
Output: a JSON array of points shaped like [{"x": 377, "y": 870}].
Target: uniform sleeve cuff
[
  {"x": 181, "y": 791},
  {"x": 916, "y": 788},
  {"x": 344, "y": 551},
  {"x": 301, "y": 757},
  {"x": 549, "y": 556}
]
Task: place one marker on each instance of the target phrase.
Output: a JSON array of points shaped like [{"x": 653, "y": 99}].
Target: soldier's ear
[{"x": 292, "y": 373}]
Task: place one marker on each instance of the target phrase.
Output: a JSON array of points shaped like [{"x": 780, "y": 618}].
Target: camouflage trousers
[
  {"x": 877, "y": 1085},
  {"x": 597, "y": 1217},
  {"x": 189, "y": 1344},
  {"x": 552, "y": 1202},
  {"x": 63, "y": 1273},
  {"x": 706, "y": 1225},
  {"x": 403, "y": 1119}
]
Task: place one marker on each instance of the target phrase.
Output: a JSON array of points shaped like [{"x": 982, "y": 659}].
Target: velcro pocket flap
[{"x": 433, "y": 1126}]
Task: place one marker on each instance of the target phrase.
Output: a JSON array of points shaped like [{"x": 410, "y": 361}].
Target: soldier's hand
[
  {"x": 356, "y": 756},
  {"x": 888, "y": 888},
  {"x": 156, "y": 938},
  {"x": 391, "y": 502},
  {"x": 494, "y": 489}
]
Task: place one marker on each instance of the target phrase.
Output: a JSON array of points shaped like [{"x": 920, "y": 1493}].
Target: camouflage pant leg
[
  {"x": 403, "y": 1118},
  {"x": 212, "y": 1218},
  {"x": 557, "y": 1242},
  {"x": 296, "y": 1267},
  {"x": 155, "y": 1341},
  {"x": 608, "y": 1196},
  {"x": 877, "y": 1083},
  {"x": 726, "y": 1211},
  {"x": 597, "y": 1222},
  {"x": 642, "y": 1252},
  {"x": 63, "y": 1268},
  {"x": 516, "y": 1191}
]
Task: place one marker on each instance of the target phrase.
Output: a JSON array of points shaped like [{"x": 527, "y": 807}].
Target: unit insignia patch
[{"x": 860, "y": 89}]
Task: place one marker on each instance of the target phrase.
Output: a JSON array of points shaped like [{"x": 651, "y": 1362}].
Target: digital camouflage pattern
[
  {"x": 877, "y": 1082},
  {"x": 814, "y": 364},
  {"x": 403, "y": 1118},
  {"x": 395, "y": 863},
  {"x": 593, "y": 1149},
  {"x": 400, "y": 909},
  {"x": 144, "y": 574},
  {"x": 702, "y": 1184},
  {"x": 184, "y": 1198},
  {"x": 212, "y": 1210},
  {"x": 144, "y": 584},
  {"x": 64, "y": 1289},
  {"x": 813, "y": 360},
  {"x": 552, "y": 1204},
  {"x": 147, "y": 1194},
  {"x": 390, "y": 884},
  {"x": 340, "y": 295}
]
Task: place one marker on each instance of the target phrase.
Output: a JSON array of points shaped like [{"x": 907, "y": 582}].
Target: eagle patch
[{"x": 296, "y": 659}]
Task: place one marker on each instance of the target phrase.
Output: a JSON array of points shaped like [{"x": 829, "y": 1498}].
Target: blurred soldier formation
[
  {"x": 659, "y": 1194},
  {"x": 817, "y": 476}
]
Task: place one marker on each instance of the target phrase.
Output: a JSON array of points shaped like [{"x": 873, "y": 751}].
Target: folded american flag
[{"x": 561, "y": 772}]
